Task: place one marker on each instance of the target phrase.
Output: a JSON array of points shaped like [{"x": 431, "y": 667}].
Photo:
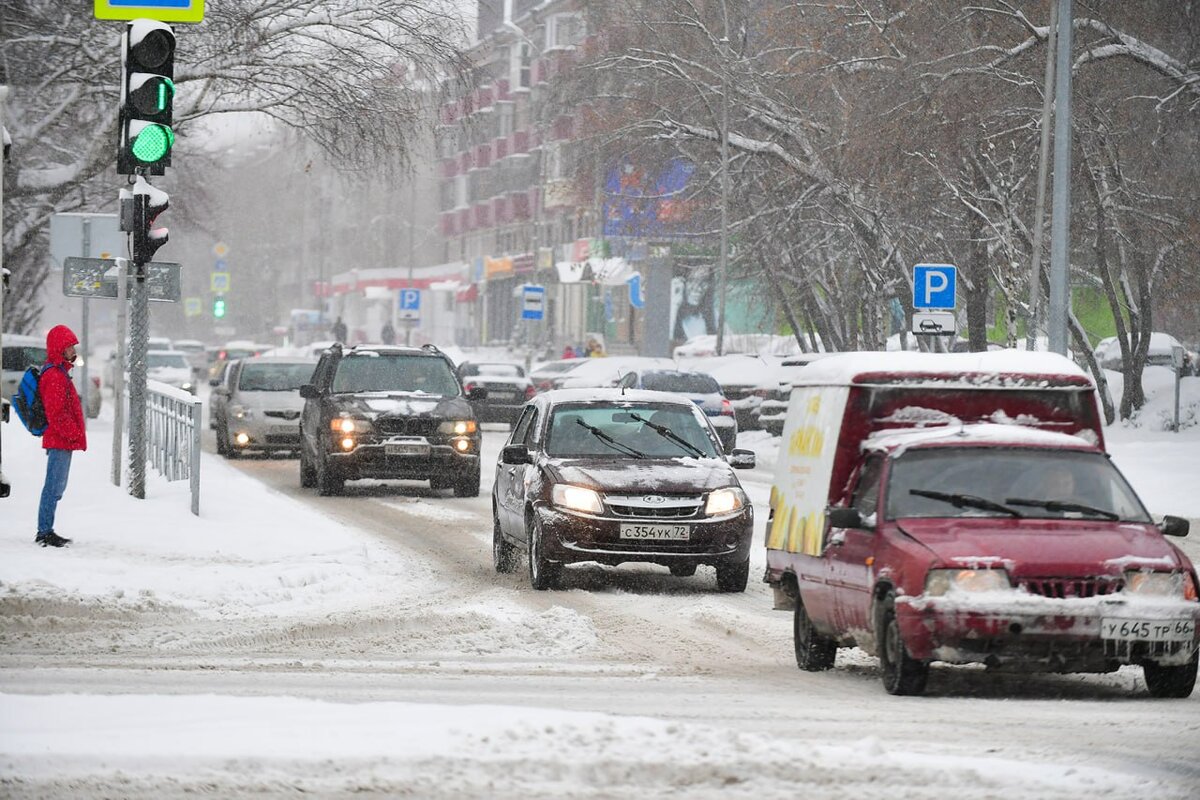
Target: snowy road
[{"x": 448, "y": 635}]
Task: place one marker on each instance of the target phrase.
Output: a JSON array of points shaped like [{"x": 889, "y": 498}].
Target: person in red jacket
[{"x": 65, "y": 432}]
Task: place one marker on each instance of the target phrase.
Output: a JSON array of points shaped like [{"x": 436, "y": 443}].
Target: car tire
[
  {"x": 308, "y": 474},
  {"x": 468, "y": 485},
  {"x": 902, "y": 674},
  {"x": 1175, "y": 681},
  {"x": 504, "y": 555},
  {"x": 732, "y": 576},
  {"x": 815, "y": 652},
  {"x": 683, "y": 570},
  {"x": 543, "y": 574},
  {"x": 328, "y": 484}
]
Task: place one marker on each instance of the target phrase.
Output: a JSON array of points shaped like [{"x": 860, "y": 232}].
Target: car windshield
[
  {"x": 395, "y": 373},
  {"x": 680, "y": 382},
  {"x": 963, "y": 482},
  {"x": 492, "y": 370},
  {"x": 628, "y": 430},
  {"x": 274, "y": 377},
  {"x": 166, "y": 360},
  {"x": 21, "y": 358}
]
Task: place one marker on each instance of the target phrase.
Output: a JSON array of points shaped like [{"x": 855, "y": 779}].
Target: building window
[
  {"x": 564, "y": 30},
  {"x": 524, "y": 69}
]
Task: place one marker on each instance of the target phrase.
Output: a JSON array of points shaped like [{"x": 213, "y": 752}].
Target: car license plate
[
  {"x": 285, "y": 429},
  {"x": 412, "y": 447},
  {"x": 1141, "y": 630},
  {"x": 672, "y": 533}
]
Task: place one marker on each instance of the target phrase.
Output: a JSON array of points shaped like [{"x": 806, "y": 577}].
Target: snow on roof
[
  {"x": 846, "y": 368},
  {"x": 981, "y": 433},
  {"x": 611, "y": 395}
]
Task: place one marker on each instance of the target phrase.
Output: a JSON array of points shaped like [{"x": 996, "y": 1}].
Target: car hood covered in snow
[
  {"x": 662, "y": 476},
  {"x": 1042, "y": 547}
]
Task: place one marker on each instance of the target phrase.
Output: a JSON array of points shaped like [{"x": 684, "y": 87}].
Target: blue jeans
[{"x": 58, "y": 466}]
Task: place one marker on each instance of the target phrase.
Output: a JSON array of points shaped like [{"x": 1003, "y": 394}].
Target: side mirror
[
  {"x": 477, "y": 393},
  {"x": 742, "y": 459},
  {"x": 628, "y": 381},
  {"x": 309, "y": 391},
  {"x": 840, "y": 517},
  {"x": 515, "y": 454},
  {"x": 1174, "y": 526}
]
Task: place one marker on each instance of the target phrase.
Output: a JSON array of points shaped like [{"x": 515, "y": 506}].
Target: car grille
[
  {"x": 640, "y": 507},
  {"x": 738, "y": 392},
  {"x": 282, "y": 414},
  {"x": 406, "y": 426},
  {"x": 282, "y": 438},
  {"x": 1061, "y": 588}
]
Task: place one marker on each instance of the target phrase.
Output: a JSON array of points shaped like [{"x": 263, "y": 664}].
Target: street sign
[
  {"x": 97, "y": 277},
  {"x": 104, "y": 238},
  {"x": 219, "y": 283},
  {"x": 636, "y": 299},
  {"x": 933, "y": 323},
  {"x": 410, "y": 304},
  {"x": 161, "y": 10},
  {"x": 220, "y": 250},
  {"x": 934, "y": 286},
  {"x": 221, "y": 265},
  {"x": 533, "y": 302},
  {"x": 191, "y": 307}
]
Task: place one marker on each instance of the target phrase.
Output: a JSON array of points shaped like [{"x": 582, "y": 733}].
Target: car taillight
[
  {"x": 530, "y": 392},
  {"x": 726, "y": 408},
  {"x": 221, "y": 356},
  {"x": 470, "y": 387}
]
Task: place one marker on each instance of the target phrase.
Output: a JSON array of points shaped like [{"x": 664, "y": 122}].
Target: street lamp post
[{"x": 723, "y": 264}]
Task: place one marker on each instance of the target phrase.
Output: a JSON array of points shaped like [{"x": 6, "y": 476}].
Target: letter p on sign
[{"x": 934, "y": 285}]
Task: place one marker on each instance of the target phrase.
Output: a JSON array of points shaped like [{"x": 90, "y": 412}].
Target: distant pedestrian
[
  {"x": 65, "y": 429},
  {"x": 339, "y": 330},
  {"x": 388, "y": 334},
  {"x": 568, "y": 352}
]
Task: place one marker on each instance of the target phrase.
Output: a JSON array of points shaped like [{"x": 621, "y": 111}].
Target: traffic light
[
  {"x": 219, "y": 306},
  {"x": 148, "y": 203},
  {"x": 144, "y": 135}
]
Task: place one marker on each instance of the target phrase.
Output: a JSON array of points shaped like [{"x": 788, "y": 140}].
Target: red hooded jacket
[{"x": 64, "y": 412}]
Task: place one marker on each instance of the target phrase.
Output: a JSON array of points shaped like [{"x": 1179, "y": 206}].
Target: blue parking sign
[
  {"x": 410, "y": 304},
  {"x": 934, "y": 285}
]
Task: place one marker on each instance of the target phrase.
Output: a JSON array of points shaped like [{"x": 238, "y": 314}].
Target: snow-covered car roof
[
  {"x": 983, "y": 433},
  {"x": 974, "y": 368},
  {"x": 610, "y": 395}
]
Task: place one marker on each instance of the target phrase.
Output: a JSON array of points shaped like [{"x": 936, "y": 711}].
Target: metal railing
[{"x": 173, "y": 435}]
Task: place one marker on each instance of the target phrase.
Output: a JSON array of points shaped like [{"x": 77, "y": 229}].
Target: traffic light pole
[{"x": 139, "y": 335}]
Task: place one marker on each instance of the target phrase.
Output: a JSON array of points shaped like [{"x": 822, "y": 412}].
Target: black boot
[{"x": 51, "y": 539}]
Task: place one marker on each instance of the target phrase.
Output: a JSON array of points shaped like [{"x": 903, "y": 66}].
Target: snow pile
[
  {"x": 1158, "y": 414},
  {"x": 133, "y": 745}
]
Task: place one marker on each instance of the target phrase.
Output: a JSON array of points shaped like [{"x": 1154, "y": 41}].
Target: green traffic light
[
  {"x": 152, "y": 143},
  {"x": 219, "y": 308}
]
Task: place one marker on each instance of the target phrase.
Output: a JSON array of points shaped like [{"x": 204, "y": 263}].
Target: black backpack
[{"x": 28, "y": 402}]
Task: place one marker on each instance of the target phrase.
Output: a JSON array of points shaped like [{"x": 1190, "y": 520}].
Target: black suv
[{"x": 388, "y": 412}]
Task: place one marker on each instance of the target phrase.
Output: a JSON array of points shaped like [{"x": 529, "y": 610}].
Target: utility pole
[
  {"x": 4, "y": 486},
  {"x": 723, "y": 264},
  {"x": 1060, "y": 224},
  {"x": 1035, "y": 284},
  {"x": 412, "y": 249}
]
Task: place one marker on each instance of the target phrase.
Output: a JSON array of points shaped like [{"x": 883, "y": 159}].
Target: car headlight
[
  {"x": 460, "y": 427},
  {"x": 576, "y": 498},
  {"x": 187, "y": 387},
  {"x": 943, "y": 581},
  {"x": 1160, "y": 584},
  {"x": 346, "y": 425},
  {"x": 241, "y": 412},
  {"x": 724, "y": 501}
]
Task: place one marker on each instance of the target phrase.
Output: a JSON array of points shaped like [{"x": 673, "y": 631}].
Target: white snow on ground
[{"x": 255, "y": 557}]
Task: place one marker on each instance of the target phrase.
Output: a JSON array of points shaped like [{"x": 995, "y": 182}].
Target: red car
[{"x": 971, "y": 519}]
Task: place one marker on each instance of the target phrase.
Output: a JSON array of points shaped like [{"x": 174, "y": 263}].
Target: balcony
[
  {"x": 482, "y": 215},
  {"x": 449, "y": 167},
  {"x": 501, "y": 210},
  {"x": 464, "y": 220},
  {"x": 447, "y": 224},
  {"x": 466, "y": 162},
  {"x": 500, "y": 147},
  {"x": 483, "y": 156},
  {"x": 520, "y": 142},
  {"x": 503, "y": 95},
  {"x": 520, "y": 205}
]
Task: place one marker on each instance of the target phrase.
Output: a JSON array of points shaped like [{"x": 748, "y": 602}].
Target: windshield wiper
[
  {"x": 669, "y": 434},
  {"x": 966, "y": 500},
  {"x": 1062, "y": 505},
  {"x": 611, "y": 442}
]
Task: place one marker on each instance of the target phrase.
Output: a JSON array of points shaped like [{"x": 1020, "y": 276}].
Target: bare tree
[{"x": 351, "y": 76}]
